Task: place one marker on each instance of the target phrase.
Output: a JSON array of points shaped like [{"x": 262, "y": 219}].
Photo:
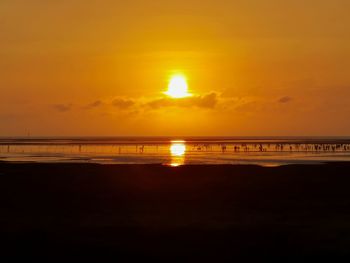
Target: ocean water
[{"x": 265, "y": 151}]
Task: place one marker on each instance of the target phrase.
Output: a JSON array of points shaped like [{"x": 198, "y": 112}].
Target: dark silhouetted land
[{"x": 105, "y": 213}]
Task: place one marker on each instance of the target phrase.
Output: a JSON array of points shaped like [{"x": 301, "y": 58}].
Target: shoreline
[{"x": 243, "y": 164}]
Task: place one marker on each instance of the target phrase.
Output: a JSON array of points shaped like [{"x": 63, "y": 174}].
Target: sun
[{"x": 178, "y": 87}]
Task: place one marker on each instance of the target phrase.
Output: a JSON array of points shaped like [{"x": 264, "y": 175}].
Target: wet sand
[{"x": 102, "y": 213}]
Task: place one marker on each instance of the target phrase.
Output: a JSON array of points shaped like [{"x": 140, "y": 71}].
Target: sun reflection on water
[{"x": 177, "y": 152}]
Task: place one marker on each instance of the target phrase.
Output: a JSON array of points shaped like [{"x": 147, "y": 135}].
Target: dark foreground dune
[{"x": 105, "y": 213}]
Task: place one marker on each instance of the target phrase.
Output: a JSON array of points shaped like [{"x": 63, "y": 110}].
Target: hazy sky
[{"x": 255, "y": 67}]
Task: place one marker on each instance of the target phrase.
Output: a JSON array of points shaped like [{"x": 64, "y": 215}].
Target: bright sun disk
[{"x": 178, "y": 87}]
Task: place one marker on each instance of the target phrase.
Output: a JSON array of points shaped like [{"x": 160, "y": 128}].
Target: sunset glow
[
  {"x": 151, "y": 130},
  {"x": 174, "y": 68}
]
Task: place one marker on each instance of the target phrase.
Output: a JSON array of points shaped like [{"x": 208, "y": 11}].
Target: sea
[{"x": 176, "y": 151}]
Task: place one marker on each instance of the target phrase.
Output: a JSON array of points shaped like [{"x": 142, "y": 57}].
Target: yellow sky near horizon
[{"x": 100, "y": 67}]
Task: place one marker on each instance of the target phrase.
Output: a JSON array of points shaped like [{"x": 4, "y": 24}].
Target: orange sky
[{"x": 255, "y": 67}]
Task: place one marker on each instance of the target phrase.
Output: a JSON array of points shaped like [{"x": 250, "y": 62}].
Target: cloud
[
  {"x": 204, "y": 101},
  {"x": 93, "y": 105},
  {"x": 248, "y": 106},
  {"x": 137, "y": 105},
  {"x": 285, "y": 99},
  {"x": 207, "y": 101},
  {"x": 121, "y": 103},
  {"x": 62, "y": 107}
]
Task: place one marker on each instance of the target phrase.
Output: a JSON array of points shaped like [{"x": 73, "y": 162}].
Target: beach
[{"x": 97, "y": 213}]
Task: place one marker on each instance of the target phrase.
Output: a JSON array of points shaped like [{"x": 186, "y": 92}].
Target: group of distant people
[
  {"x": 280, "y": 147},
  {"x": 257, "y": 147}
]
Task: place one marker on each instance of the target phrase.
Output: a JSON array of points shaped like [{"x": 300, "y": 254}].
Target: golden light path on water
[{"x": 177, "y": 152}]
